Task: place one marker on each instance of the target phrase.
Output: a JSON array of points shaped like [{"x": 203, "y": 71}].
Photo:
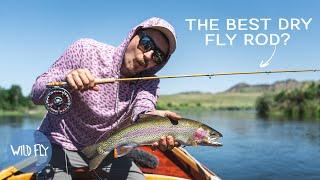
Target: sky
[{"x": 33, "y": 34}]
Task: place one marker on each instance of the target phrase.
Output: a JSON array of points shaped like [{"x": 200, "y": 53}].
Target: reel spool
[{"x": 58, "y": 100}]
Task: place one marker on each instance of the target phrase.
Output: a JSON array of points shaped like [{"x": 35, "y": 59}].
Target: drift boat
[{"x": 177, "y": 164}]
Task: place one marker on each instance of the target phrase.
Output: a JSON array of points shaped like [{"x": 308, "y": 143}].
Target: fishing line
[
  {"x": 65, "y": 154},
  {"x": 65, "y": 160}
]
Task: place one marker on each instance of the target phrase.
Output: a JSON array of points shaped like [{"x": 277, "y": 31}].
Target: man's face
[{"x": 136, "y": 59}]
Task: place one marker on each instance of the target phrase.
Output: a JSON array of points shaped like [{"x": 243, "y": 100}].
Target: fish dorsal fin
[{"x": 150, "y": 117}]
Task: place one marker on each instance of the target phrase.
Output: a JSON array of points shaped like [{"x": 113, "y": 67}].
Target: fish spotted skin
[{"x": 149, "y": 130}]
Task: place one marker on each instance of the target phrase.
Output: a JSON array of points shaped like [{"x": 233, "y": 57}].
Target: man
[{"x": 99, "y": 110}]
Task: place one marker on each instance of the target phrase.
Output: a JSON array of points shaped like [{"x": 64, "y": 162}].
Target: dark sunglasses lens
[
  {"x": 147, "y": 43},
  {"x": 158, "y": 57}
]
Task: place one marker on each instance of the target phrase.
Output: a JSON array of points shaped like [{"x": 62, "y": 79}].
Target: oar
[
  {"x": 17, "y": 167},
  {"x": 112, "y": 80}
]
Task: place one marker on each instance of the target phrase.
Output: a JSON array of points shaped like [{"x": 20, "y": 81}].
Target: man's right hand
[{"x": 81, "y": 79}]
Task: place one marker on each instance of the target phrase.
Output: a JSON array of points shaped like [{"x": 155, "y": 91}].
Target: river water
[{"x": 252, "y": 148}]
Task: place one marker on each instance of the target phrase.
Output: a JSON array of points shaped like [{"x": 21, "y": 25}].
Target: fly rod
[
  {"x": 112, "y": 80},
  {"x": 58, "y": 100}
]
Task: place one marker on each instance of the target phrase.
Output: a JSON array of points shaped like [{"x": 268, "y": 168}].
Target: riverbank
[
  {"x": 38, "y": 111},
  {"x": 208, "y": 101}
]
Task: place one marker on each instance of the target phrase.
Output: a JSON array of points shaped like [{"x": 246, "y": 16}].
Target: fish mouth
[
  {"x": 211, "y": 137},
  {"x": 211, "y": 141}
]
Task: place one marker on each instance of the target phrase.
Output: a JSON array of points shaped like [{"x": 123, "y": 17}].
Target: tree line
[
  {"x": 12, "y": 99},
  {"x": 298, "y": 103}
]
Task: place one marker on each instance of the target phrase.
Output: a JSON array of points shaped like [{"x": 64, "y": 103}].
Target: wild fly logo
[
  {"x": 26, "y": 150},
  {"x": 30, "y": 149}
]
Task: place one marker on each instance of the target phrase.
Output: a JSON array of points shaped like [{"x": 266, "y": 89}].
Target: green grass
[{"x": 227, "y": 101}]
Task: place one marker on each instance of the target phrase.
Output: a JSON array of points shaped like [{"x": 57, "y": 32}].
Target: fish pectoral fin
[
  {"x": 123, "y": 150},
  {"x": 194, "y": 143}
]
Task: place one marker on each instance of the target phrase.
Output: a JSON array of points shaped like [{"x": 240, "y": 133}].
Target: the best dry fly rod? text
[{"x": 58, "y": 100}]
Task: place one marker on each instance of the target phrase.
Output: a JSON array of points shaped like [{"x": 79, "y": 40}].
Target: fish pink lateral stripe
[{"x": 156, "y": 130}]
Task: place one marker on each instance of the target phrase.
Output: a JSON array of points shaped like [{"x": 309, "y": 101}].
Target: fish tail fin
[
  {"x": 94, "y": 157},
  {"x": 123, "y": 150}
]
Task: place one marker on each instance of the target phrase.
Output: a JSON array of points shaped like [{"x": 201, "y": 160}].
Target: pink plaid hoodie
[{"x": 96, "y": 114}]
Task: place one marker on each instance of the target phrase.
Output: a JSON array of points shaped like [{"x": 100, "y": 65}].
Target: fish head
[{"x": 206, "y": 136}]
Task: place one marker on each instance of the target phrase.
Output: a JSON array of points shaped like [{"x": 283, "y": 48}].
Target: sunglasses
[{"x": 146, "y": 44}]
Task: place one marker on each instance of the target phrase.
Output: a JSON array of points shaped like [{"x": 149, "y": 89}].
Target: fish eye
[{"x": 213, "y": 134}]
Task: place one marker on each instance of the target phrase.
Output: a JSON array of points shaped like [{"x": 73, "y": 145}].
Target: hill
[
  {"x": 239, "y": 96},
  {"x": 275, "y": 87}
]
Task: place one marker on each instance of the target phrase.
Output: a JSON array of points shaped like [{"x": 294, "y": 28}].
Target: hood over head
[{"x": 154, "y": 23}]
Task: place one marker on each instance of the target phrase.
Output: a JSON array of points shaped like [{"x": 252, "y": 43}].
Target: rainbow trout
[{"x": 149, "y": 130}]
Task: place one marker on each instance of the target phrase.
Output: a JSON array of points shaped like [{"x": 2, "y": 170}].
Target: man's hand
[
  {"x": 166, "y": 142},
  {"x": 81, "y": 79},
  {"x": 165, "y": 113}
]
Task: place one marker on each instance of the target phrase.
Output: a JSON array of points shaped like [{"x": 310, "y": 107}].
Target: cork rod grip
[{"x": 96, "y": 81}]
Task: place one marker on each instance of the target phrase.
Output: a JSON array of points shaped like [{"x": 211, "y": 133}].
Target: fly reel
[{"x": 58, "y": 100}]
